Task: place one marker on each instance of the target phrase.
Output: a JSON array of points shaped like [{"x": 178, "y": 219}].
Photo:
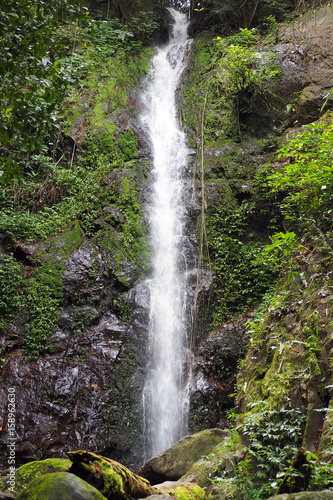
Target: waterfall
[{"x": 164, "y": 401}]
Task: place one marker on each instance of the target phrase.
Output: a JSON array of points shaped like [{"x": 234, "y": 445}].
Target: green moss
[
  {"x": 220, "y": 462},
  {"x": 10, "y": 283},
  {"x": 202, "y": 93},
  {"x": 188, "y": 492},
  {"x": 44, "y": 289},
  {"x": 128, "y": 144},
  {"x": 114, "y": 479},
  {"x": 27, "y": 472},
  {"x": 60, "y": 485},
  {"x": 103, "y": 90}
]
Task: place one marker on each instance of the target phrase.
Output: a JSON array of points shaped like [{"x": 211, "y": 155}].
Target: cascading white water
[{"x": 163, "y": 396}]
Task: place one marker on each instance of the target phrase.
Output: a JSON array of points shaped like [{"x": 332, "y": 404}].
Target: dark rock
[
  {"x": 78, "y": 396},
  {"x": 304, "y": 49},
  {"x": 83, "y": 273},
  {"x": 214, "y": 376}
]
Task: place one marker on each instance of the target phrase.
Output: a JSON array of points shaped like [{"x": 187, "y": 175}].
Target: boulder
[
  {"x": 220, "y": 462},
  {"x": 111, "y": 478},
  {"x": 163, "y": 496},
  {"x": 305, "y": 495},
  {"x": 27, "y": 472},
  {"x": 187, "y": 491},
  {"x": 173, "y": 463},
  {"x": 64, "y": 485},
  {"x": 181, "y": 490}
]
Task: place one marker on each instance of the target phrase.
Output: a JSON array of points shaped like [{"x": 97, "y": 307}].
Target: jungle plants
[
  {"x": 274, "y": 437},
  {"x": 32, "y": 83},
  {"x": 280, "y": 253},
  {"x": 43, "y": 296},
  {"x": 306, "y": 179},
  {"x": 243, "y": 73},
  {"x": 10, "y": 288},
  {"x": 237, "y": 260}
]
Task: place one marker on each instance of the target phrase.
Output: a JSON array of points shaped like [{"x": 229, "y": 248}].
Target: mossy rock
[
  {"x": 60, "y": 485},
  {"x": 224, "y": 490},
  {"x": 187, "y": 491},
  {"x": 326, "y": 438},
  {"x": 220, "y": 462},
  {"x": 5, "y": 495},
  {"x": 112, "y": 479},
  {"x": 27, "y": 472},
  {"x": 173, "y": 463}
]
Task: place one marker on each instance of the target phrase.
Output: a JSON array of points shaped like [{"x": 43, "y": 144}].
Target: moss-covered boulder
[
  {"x": 27, "y": 472},
  {"x": 219, "y": 462},
  {"x": 60, "y": 485},
  {"x": 173, "y": 463},
  {"x": 187, "y": 491},
  {"x": 182, "y": 491},
  {"x": 112, "y": 479}
]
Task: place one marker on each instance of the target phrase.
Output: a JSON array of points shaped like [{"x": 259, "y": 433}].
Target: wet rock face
[
  {"x": 83, "y": 390},
  {"x": 214, "y": 376},
  {"x": 78, "y": 397}
]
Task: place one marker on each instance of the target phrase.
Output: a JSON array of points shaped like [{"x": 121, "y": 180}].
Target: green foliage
[
  {"x": 280, "y": 252},
  {"x": 245, "y": 37},
  {"x": 43, "y": 291},
  {"x": 111, "y": 36},
  {"x": 274, "y": 438},
  {"x": 43, "y": 296},
  {"x": 274, "y": 303},
  {"x": 245, "y": 73},
  {"x": 234, "y": 76},
  {"x": 20, "y": 224},
  {"x": 32, "y": 83},
  {"x": 306, "y": 178},
  {"x": 10, "y": 288},
  {"x": 134, "y": 233},
  {"x": 282, "y": 11},
  {"x": 128, "y": 144},
  {"x": 144, "y": 26},
  {"x": 241, "y": 272},
  {"x": 44, "y": 52},
  {"x": 321, "y": 474},
  {"x": 80, "y": 197}
]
